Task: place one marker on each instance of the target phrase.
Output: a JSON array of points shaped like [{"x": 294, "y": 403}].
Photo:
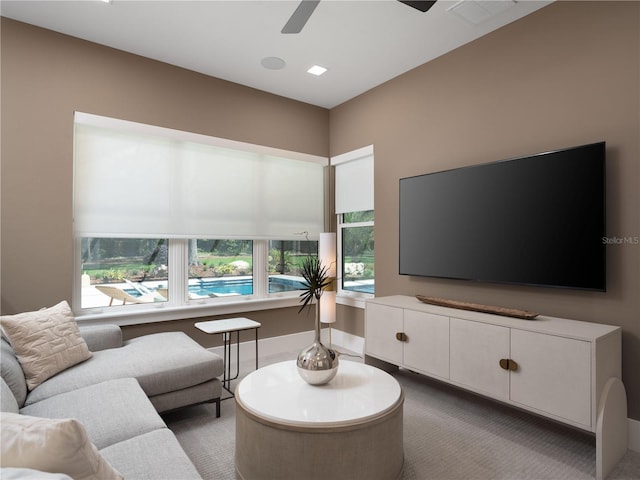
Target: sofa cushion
[
  {"x": 12, "y": 372},
  {"x": 110, "y": 411},
  {"x": 101, "y": 337},
  {"x": 203, "y": 392},
  {"x": 152, "y": 456},
  {"x": 46, "y": 341},
  {"x": 161, "y": 362},
  {"x": 55, "y": 446},
  {"x": 8, "y": 402},
  {"x": 189, "y": 363}
]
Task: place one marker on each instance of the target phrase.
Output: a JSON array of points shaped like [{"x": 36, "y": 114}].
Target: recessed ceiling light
[
  {"x": 273, "y": 63},
  {"x": 316, "y": 70}
]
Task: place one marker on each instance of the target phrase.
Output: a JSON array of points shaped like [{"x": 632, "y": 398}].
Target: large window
[
  {"x": 164, "y": 218},
  {"x": 354, "y": 208},
  {"x": 117, "y": 272}
]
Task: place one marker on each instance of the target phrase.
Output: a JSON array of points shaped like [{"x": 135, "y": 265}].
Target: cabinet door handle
[
  {"x": 402, "y": 336},
  {"x": 508, "y": 364}
]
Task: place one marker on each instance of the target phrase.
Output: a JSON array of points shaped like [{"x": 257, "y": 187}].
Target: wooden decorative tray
[{"x": 507, "y": 312}]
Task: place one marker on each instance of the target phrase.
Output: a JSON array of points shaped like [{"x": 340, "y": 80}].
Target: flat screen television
[{"x": 536, "y": 220}]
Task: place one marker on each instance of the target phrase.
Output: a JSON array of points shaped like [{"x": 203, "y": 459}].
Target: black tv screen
[{"x": 536, "y": 220}]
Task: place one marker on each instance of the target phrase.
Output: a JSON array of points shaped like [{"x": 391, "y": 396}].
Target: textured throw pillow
[
  {"x": 46, "y": 341},
  {"x": 52, "y": 445}
]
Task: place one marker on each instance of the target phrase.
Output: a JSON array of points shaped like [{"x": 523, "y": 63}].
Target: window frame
[
  {"x": 349, "y": 297},
  {"x": 180, "y": 307},
  {"x": 360, "y": 199}
]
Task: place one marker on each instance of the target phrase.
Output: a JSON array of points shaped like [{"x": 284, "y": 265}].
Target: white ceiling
[{"x": 363, "y": 43}]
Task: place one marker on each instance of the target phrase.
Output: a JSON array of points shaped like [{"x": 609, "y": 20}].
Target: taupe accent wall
[
  {"x": 566, "y": 75},
  {"x": 45, "y": 78}
]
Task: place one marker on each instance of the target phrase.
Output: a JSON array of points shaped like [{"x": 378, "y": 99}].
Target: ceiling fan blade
[
  {"x": 300, "y": 16},
  {"x": 423, "y": 6}
]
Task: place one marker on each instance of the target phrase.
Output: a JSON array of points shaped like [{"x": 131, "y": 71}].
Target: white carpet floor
[{"x": 449, "y": 434}]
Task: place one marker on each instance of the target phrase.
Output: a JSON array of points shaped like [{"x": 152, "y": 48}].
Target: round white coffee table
[{"x": 349, "y": 428}]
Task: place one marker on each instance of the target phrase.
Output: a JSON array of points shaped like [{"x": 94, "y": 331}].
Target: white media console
[{"x": 566, "y": 370}]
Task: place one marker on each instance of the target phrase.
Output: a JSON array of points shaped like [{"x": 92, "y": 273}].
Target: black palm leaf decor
[{"x": 316, "y": 278}]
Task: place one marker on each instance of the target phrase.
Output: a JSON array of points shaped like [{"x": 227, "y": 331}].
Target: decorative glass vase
[{"x": 317, "y": 364}]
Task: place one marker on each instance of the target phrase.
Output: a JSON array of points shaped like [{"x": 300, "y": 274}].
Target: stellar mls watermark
[{"x": 629, "y": 240}]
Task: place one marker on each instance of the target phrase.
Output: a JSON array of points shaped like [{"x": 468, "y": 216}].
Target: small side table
[{"x": 226, "y": 327}]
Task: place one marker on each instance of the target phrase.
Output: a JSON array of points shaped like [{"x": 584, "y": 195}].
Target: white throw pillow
[
  {"x": 52, "y": 445},
  {"x": 30, "y": 474},
  {"x": 46, "y": 341}
]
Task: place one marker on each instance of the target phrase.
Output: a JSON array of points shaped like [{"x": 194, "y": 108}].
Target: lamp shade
[
  {"x": 327, "y": 257},
  {"x": 327, "y": 252},
  {"x": 328, "y": 307}
]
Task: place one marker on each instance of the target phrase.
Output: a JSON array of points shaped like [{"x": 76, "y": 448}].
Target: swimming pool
[
  {"x": 363, "y": 289},
  {"x": 211, "y": 287},
  {"x": 220, "y": 286},
  {"x": 242, "y": 286}
]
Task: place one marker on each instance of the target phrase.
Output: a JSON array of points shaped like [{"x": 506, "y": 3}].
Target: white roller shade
[
  {"x": 129, "y": 182},
  {"x": 354, "y": 181}
]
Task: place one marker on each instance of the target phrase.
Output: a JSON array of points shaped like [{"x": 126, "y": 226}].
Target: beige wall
[
  {"x": 566, "y": 75},
  {"x": 45, "y": 78},
  {"x": 273, "y": 323}
]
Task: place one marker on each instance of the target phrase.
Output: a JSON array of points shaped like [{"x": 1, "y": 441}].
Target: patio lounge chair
[
  {"x": 139, "y": 287},
  {"x": 119, "y": 294}
]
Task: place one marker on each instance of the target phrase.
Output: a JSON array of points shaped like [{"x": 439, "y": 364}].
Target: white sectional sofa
[{"x": 114, "y": 398}]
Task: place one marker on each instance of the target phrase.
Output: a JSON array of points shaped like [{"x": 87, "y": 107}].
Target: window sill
[
  {"x": 160, "y": 312},
  {"x": 356, "y": 301}
]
